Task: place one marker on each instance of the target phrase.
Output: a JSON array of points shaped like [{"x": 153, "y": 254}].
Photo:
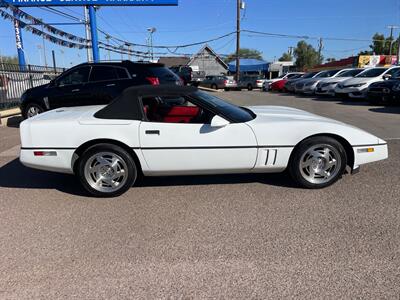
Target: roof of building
[
  {"x": 212, "y": 52},
  {"x": 170, "y": 61}
]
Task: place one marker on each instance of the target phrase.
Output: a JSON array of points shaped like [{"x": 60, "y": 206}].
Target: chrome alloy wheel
[
  {"x": 33, "y": 111},
  {"x": 106, "y": 172},
  {"x": 320, "y": 163}
]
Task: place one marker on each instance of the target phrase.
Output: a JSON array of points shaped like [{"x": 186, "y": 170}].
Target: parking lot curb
[{"x": 10, "y": 116}]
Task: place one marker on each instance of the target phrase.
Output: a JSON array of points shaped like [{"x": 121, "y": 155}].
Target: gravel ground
[{"x": 231, "y": 236}]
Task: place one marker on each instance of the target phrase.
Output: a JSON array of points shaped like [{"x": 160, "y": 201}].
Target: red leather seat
[{"x": 181, "y": 114}]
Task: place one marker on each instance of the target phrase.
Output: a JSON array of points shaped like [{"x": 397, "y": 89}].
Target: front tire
[
  {"x": 249, "y": 87},
  {"x": 318, "y": 162},
  {"x": 106, "y": 170},
  {"x": 32, "y": 109}
]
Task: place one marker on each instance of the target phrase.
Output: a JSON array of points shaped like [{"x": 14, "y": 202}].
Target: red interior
[{"x": 180, "y": 114}]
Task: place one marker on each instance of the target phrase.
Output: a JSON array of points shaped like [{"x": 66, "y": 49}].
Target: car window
[
  {"x": 76, "y": 76},
  {"x": 122, "y": 73},
  {"x": 178, "y": 109},
  {"x": 394, "y": 72},
  {"x": 350, "y": 73},
  {"x": 102, "y": 73},
  {"x": 310, "y": 75},
  {"x": 292, "y": 75}
]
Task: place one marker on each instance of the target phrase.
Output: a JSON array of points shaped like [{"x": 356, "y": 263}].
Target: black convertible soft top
[{"x": 128, "y": 106}]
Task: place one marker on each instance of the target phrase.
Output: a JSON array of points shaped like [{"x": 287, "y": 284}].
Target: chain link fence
[{"x": 15, "y": 80}]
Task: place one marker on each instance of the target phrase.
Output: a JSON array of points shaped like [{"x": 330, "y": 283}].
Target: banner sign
[{"x": 30, "y": 3}]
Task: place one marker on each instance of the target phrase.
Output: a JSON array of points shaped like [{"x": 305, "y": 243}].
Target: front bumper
[
  {"x": 61, "y": 162},
  {"x": 357, "y": 93},
  {"x": 361, "y": 157}
]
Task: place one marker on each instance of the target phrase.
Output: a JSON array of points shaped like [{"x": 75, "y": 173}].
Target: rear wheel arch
[
  {"x": 82, "y": 148},
  {"x": 346, "y": 145}
]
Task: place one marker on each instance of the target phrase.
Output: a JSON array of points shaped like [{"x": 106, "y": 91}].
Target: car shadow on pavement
[
  {"x": 15, "y": 175},
  {"x": 14, "y": 121},
  {"x": 386, "y": 109}
]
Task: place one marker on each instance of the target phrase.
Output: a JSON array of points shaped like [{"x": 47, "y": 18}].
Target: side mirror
[
  {"x": 218, "y": 121},
  {"x": 387, "y": 76}
]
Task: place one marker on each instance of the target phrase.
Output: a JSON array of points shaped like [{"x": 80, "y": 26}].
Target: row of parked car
[{"x": 380, "y": 85}]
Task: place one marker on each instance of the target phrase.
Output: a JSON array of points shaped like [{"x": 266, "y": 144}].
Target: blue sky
[{"x": 197, "y": 20}]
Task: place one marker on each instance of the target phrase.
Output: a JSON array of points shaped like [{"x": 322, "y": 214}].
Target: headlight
[
  {"x": 396, "y": 87},
  {"x": 340, "y": 86}
]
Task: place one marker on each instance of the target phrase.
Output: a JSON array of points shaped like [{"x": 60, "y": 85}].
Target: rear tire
[
  {"x": 214, "y": 86},
  {"x": 106, "y": 170},
  {"x": 317, "y": 162},
  {"x": 249, "y": 87}
]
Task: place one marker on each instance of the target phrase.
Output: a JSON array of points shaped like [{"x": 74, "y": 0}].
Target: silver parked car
[{"x": 219, "y": 82}]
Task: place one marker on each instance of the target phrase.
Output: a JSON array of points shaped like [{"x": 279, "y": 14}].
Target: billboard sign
[{"x": 33, "y": 3}]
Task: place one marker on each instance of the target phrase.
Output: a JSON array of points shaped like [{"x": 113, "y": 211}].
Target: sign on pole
[{"x": 30, "y": 3}]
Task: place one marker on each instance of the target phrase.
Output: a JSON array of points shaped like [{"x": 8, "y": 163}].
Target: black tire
[
  {"x": 26, "y": 112},
  {"x": 299, "y": 174},
  {"x": 226, "y": 89},
  {"x": 131, "y": 169},
  {"x": 249, "y": 87},
  {"x": 214, "y": 86}
]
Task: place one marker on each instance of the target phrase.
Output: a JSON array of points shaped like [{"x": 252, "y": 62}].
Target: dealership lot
[{"x": 233, "y": 236}]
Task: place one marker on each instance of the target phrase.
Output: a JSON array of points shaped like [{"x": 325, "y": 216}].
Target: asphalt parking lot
[{"x": 231, "y": 236}]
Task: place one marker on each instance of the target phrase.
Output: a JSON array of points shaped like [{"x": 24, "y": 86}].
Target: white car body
[
  {"x": 326, "y": 86},
  {"x": 267, "y": 83},
  {"x": 357, "y": 87},
  {"x": 309, "y": 86},
  {"x": 261, "y": 145}
]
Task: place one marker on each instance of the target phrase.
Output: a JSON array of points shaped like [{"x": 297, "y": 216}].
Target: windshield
[
  {"x": 228, "y": 110},
  {"x": 329, "y": 73},
  {"x": 309, "y": 75},
  {"x": 351, "y": 73},
  {"x": 375, "y": 72}
]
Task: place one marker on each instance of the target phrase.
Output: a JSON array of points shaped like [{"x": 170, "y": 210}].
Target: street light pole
[
  {"x": 391, "y": 27},
  {"x": 151, "y": 30}
]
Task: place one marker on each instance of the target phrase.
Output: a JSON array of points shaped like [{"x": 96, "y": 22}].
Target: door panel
[{"x": 181, "y": 148}]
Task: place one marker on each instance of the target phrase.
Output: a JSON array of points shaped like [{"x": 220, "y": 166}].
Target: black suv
[
  {"x": 93, "y": 84},
  {"x": 384, "y": 92}
]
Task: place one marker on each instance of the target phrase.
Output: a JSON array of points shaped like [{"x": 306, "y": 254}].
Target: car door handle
[
  {"x": 152, "y": 132},
  {"x": 111, "y": 84},
  {"x": 75, "y": 90}
]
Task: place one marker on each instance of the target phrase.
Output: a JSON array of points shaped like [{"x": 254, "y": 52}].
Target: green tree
[
  {"x": 286, "y": 57},
  {"x": 8, "y": 59},
  {"x": 244, "y": 53},
  {"x": 381, "y": 45},
  {"x": 306, "y": 56}
]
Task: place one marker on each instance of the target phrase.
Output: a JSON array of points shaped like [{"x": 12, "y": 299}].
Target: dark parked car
[
  {"x": 93, "y": 84},
  {"x": 189, "y": 76},
  {"x": 384, "y": 92}
]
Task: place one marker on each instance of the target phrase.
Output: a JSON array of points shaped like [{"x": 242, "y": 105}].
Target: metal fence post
[{"x": 30, "y": 76}]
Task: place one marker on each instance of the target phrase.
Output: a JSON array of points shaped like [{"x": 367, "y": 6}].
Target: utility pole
[
  {"x": 391, "y": 27},
  {"x": 44, "y": 49},
  {"x": 87, "y": 34},
  {"x": 238, "y": 6},
  {"x": 320, "y": 46}
]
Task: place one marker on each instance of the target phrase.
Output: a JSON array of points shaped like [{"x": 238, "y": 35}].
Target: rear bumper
[{"x": 61, "y": 162}]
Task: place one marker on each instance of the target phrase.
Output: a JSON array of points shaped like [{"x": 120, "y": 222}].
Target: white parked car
[
  {"x": 267, "y": 83},
  {"x": 326, "y": 86},
  {"x": 308, "y": 86},
  {"x": 357, "y": 87},
  {"x": 182, "y": 131}
]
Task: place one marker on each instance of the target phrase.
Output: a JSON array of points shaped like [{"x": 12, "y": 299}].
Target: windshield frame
[{"x": 223, "y": 108}]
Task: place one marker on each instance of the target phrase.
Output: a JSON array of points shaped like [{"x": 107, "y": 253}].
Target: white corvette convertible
[{"x": 179, "y": 130}]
